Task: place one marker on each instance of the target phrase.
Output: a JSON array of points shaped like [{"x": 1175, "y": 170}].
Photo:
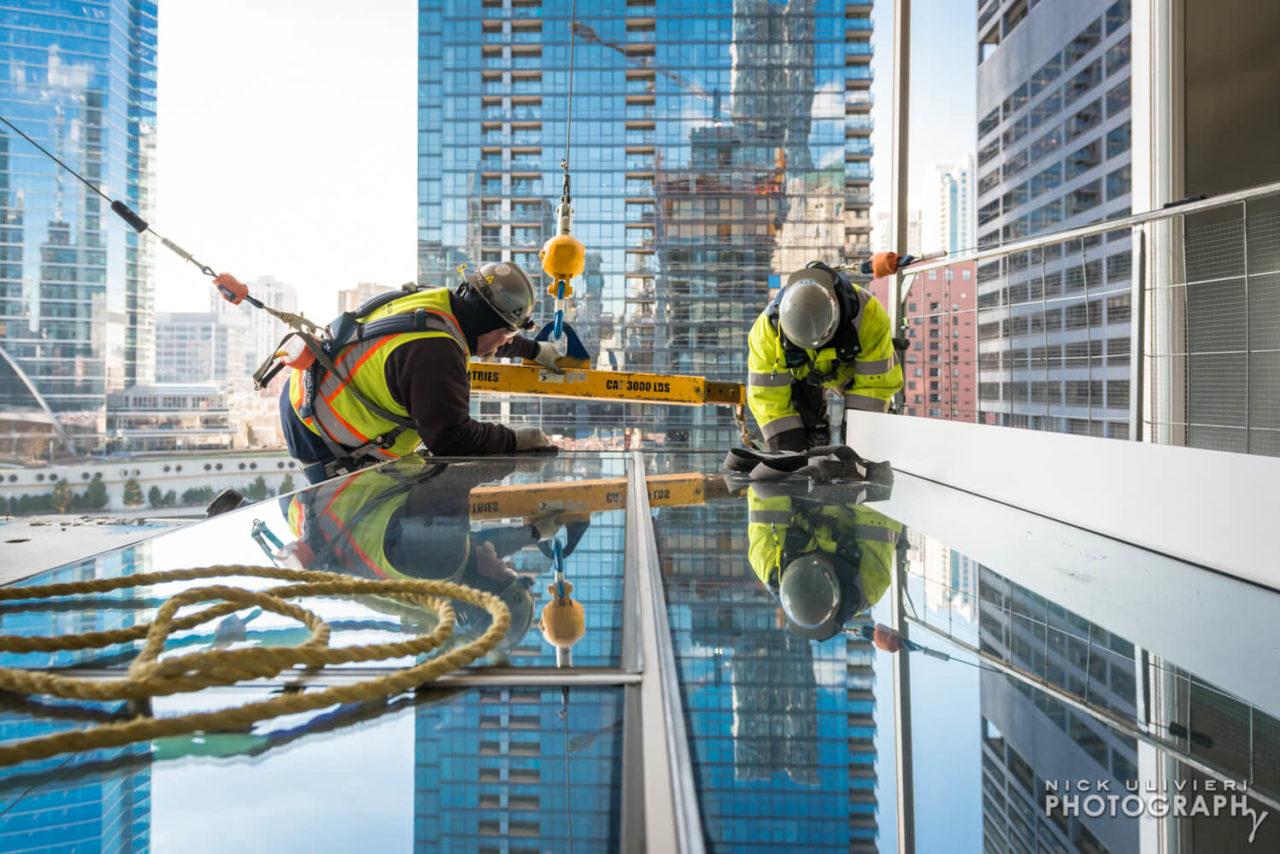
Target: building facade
[
  {"x": 349, "y": 299},
  {"x": 955, "y": 208},
  {"x": 204, "y": 346},
  {"x": 171, "y": 417},
  {"x": 76, "y": 285},
  {"x": 264, "y": 331},
  {"x": 1053, "y": 153},
  {"x": 716, "y": 147}
]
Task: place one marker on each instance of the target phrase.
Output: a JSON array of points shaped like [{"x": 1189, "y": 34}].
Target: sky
[
  {"x": 287, "y": 137},
  {"x": 942, "y": 122},
  {"x": 286, "y": 145}
]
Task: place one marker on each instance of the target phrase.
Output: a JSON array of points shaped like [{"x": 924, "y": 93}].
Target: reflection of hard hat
[
  {"x": 434, "y": 549},
  {"x": 818, "y": 595},
  {"x": 519, "y": 601},
  {"x": 508, "y": 291},
  {"x": 809, "y": 312}
]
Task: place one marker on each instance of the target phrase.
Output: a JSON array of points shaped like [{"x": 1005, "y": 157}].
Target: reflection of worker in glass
[
  {"x": 412, "y": 520},
  {"x": 826, "y": 561}
]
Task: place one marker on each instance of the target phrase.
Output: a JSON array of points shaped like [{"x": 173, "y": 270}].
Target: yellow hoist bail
[{"x": 563, "y": 256}]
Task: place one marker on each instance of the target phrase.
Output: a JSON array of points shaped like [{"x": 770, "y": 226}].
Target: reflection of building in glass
[
  {"x": 499, "y": 769},
  {"x": 715, "y": 148},
  {"x": 955, "y": 208},
  {"x": 1029, "y": 737},
  {"x": 75, "y": 280},
  {"x": 950, "y": 578},
  {"x": 782, "y": 730},
  {"x": 1053, "y": 152},
  {"x": 101, "y": 811}
]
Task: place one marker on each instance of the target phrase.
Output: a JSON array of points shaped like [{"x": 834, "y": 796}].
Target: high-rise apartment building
[
  {"x": 349, "y": 299},
  {"x": 75, "y": 281},
  {"x": 881, "y": 237},
  {"x": 955, "y": 208},
  {"x": 715, "y": 149},
  {"x": 1053, "y": 152},
  {"x": 203, "y": 346},
  {"x": 940, "y": 365}
]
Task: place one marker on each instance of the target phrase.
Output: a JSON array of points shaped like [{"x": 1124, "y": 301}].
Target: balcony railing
[{"x": 1158, "y": 326}]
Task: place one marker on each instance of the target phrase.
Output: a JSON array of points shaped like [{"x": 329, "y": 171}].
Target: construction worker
[
  {"x": 396, "y": 375},
  {"x": 827, "y": 562},
  {"x": 820, "y": 332},
  {"x": 411, "y": 519}
]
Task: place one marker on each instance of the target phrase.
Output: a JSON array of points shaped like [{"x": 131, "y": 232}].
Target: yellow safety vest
[
  {"x": 350, "y": 517},
  {"x": 770, "y": 519},
  {"x": 869, "y": 382},
  {"x": 336, "y": 408}
]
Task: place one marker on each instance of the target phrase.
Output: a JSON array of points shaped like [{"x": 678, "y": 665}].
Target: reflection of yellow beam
[
  {"x": 585, "y": 496},
  {"x": 603, "y": 385}
]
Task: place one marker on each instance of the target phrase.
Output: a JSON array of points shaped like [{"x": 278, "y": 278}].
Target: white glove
[
  {"x": 547, "y": 355},
  {"x": 531, "y": 439}
]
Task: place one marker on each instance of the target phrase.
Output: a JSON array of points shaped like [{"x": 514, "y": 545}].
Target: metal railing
[{"x": 1161, "y": 326}]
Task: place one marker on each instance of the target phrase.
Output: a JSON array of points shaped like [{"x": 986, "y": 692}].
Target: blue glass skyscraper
[
  {"x": 716, "y": 147},
  {"x": 75, "y": 281}
]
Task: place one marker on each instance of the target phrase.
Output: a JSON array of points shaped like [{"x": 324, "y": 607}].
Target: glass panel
[
  {"x": 1043, "y": 660},
  {"x": 445, "y": 770},
  {"x": 487, "y": 523}
]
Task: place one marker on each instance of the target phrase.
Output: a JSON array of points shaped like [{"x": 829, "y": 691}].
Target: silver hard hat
[
  {"x": 810, "y": 596},
  {"x": 508, "y": 291},
  {"x": 809, "y": 312}
]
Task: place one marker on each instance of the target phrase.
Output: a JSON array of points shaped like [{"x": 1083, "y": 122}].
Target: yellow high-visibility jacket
[
  {"x": 868, "y": 382},
  {"x": 339, "y": 413},
  {"x": 770, "y": 520}
]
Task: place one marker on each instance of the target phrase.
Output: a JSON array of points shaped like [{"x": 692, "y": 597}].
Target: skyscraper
[
  {"x": 1053, "y": 152},
  {"x": 75, "y": 281},
  {"x": 955, "y": 208},
  {"x": 715, "y": 149}
]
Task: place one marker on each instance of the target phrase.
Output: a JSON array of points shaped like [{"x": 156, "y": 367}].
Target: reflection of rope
[{"x": 148, "y": 676}]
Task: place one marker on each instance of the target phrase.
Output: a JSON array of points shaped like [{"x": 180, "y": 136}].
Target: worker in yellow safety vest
[
  {"x": 411, "y": 519},
  {"x": 393, "y": 374},
  {"x": 820, "y": 332},
  {"x": 826, "y": 562}
]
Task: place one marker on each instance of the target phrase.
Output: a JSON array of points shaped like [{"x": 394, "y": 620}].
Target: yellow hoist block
[
  {"x": 495, "y": 378},
  {"x": 585, "y": 496}
]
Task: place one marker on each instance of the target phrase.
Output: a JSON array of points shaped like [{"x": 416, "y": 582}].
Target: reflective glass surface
[
  {"x": 1035, "y": 665},
  {"x": 1044, "y": 663},
  {"x": 490, "y": 524},
  {"x": 443, "y": 771}
]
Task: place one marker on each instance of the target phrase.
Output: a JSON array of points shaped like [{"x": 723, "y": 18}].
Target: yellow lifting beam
[
  {"x": 585, "y": 496},
  {"x": 496, "y": 378}
]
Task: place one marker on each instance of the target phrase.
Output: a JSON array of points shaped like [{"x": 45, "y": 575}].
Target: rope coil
[{"x": 150, "y": 676}]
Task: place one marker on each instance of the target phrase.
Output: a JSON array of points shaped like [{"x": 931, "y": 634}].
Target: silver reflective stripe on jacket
[
  {"x": 866, "y": 403},
  {"x": 778, "y": 425},
  {"x": 873, "y": 366},
  {"x": 875, "y": 533},
  {"x": 771, "y": 380},
  {"x": 769, "y": 517}
]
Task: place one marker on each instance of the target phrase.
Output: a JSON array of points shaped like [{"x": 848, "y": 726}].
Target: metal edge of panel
[
  {"x": 660, "y": 689},
  {"x": 508, "y": 676},
  {"x": 633, "y": 818}
]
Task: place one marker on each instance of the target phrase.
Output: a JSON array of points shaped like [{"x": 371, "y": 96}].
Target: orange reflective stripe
[
  {"x": 349, "y": 541},
  {"x": 367, "y": 353}
]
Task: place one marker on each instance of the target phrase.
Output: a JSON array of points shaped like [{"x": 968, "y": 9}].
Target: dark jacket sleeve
[
  {"x": 428, "y": 377},
  {"x": 519, "y": 348}
]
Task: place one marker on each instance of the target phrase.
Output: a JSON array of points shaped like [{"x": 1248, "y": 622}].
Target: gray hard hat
[
  {"x": 810, "y": 595},
  {"x": 809, "y": 312},
  {"x": 508, "y": 291}
]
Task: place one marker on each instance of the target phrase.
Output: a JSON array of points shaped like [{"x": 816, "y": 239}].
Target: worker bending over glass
[
  {"x": 820, "y": 332},
  {"x": 397, "y": 375}
]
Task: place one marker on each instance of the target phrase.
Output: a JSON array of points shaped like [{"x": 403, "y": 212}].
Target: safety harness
[{"x": 346, "y": 330}]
